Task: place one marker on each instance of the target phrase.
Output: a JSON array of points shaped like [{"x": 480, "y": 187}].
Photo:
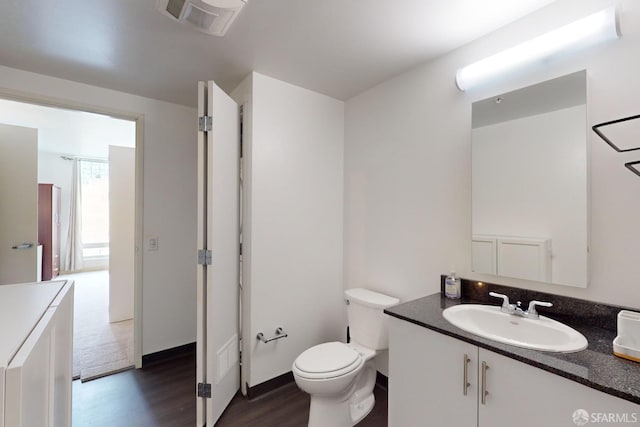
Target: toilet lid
[{"x": 328, "y": 357}]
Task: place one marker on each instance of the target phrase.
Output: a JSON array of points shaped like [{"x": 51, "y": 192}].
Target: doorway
[{"x": 75, "y": 153}]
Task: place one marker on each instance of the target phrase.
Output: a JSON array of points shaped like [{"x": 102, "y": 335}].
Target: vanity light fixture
[{"x": 596, "y": 28}]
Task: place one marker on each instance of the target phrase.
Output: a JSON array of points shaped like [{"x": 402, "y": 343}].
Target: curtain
[{"x": 73, "y": 251}]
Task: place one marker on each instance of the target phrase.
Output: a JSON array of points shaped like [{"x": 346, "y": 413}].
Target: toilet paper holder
[{"x": 280, "y": 333}]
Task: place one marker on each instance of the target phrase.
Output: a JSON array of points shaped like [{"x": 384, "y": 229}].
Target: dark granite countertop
[{"x": 596, "y": 367}]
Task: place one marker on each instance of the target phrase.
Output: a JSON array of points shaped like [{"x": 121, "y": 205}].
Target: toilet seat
[{"x": 328, "y": 360}]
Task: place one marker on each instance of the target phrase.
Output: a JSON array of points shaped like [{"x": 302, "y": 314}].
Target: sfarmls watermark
[{"x": 582, "y": 417}]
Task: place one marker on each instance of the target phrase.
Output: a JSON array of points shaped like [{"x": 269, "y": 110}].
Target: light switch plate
[{"x": 152, "y": 244}]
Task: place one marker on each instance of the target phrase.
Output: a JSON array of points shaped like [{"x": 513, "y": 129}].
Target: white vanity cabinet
[
  {"x": 36, "y": 330},
  {"x": 534, "y": 397},
  {"x": 426, "y": 386},
  {"x": 426, "y": 378}
]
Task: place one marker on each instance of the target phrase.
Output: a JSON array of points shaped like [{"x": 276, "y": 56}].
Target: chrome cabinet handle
[
  {"x": 465, "y": 372},
  {"x": 484, "y": 392},
  {"x": 26, "y": 245}
]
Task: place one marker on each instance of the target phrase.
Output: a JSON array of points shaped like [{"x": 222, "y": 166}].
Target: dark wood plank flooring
[
  {"x": 163, "y": 395},
  {"x": 158, "y": 395},
  {"x": 288, "y": 406}
]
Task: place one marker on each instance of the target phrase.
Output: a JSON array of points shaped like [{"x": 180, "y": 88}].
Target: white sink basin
[{"x": 489, "y": 322}]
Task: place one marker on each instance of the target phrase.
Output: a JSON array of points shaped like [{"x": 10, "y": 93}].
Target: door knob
[{"x": 26, "y": 245}]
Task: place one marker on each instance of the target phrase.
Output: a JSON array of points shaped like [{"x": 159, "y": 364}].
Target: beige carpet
[{"x": 99, "y": 348}]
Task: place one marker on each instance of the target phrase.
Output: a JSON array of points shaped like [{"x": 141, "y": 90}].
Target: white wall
[
  {"x": 168, "y": 288},
  {"x": 529, "y": 179},
  {"x": 293, "y": 145},
  {"x": 408, "y": 158},
  {"x": 407, "y": 185}
]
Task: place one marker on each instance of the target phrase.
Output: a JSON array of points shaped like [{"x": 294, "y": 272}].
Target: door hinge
[
  {"x": 205, "y": 257},
  {"x": 205, "y": 123},
  {"x": 204, "y": 390},
  {"x": 241, "y": 135}
]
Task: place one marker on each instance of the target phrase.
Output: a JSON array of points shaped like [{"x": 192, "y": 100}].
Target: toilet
[{"x": 340, "y": 377}]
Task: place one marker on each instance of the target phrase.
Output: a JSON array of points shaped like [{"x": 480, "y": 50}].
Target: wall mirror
[{"x": 529, "y": 183}]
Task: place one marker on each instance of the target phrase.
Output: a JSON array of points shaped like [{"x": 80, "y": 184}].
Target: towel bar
[{"x": 279, "y": 334}]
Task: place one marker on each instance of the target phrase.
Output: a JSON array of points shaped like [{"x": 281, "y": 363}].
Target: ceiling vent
[{"x": 210, "y": 16}]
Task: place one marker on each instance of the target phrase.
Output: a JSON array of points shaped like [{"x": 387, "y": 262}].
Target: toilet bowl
[{"x": 341, "y": 377}]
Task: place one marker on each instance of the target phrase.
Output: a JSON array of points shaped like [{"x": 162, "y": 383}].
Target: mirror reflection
[{"x": 529, "y": 183}]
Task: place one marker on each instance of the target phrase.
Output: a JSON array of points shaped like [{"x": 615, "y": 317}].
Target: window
[{"x": 94, "y": 188}]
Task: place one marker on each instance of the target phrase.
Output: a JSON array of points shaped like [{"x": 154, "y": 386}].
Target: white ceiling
[{"x": 336, "y": 47}]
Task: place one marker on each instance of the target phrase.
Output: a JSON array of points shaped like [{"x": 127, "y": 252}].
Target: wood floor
[
  {"x": 288, "y": 406},
  {"x": 158, "y": 395},
  {"x": 163, "y": 395}
]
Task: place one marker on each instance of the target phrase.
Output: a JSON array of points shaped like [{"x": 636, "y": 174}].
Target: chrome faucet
[
  {"x": 515, "y": 309},
  {"x": 531, "y": 312}
]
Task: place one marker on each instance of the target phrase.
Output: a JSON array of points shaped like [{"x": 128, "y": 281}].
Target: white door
[
  {"x": 122, "y": 202},
  {"x": 218, "y": 231},
  {"x": 18, "y": 204}
]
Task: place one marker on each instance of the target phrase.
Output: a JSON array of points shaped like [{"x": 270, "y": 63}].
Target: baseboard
[
  {"x": 85, "y": 270},
  {"x": 269, "y": 385},
  {"x": 169, "y": 354},
  {"x": 382, "y": 381}
]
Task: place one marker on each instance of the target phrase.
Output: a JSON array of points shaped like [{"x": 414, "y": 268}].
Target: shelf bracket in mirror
[
  {"x": 596, "y": 128},
  {"x": 632, "y": 167}
]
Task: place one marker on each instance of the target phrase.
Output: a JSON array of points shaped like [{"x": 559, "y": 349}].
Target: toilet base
[
  {"x": 362, "y": 409},
  {"x": 325, "y": 412},
  {"x": 348, "y": 408}
]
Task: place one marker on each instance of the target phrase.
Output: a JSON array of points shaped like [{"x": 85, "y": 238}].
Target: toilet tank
[{"x": 367, "y": 322}]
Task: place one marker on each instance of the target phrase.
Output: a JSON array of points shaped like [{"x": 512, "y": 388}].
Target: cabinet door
[
  {"x": 55, "y": 231},
  {"x": 520, "y": 394},
  {"x": 426, "y": 371},
  {"x": 45, "y": 230},
  {"x": 29, "y": 384}
]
